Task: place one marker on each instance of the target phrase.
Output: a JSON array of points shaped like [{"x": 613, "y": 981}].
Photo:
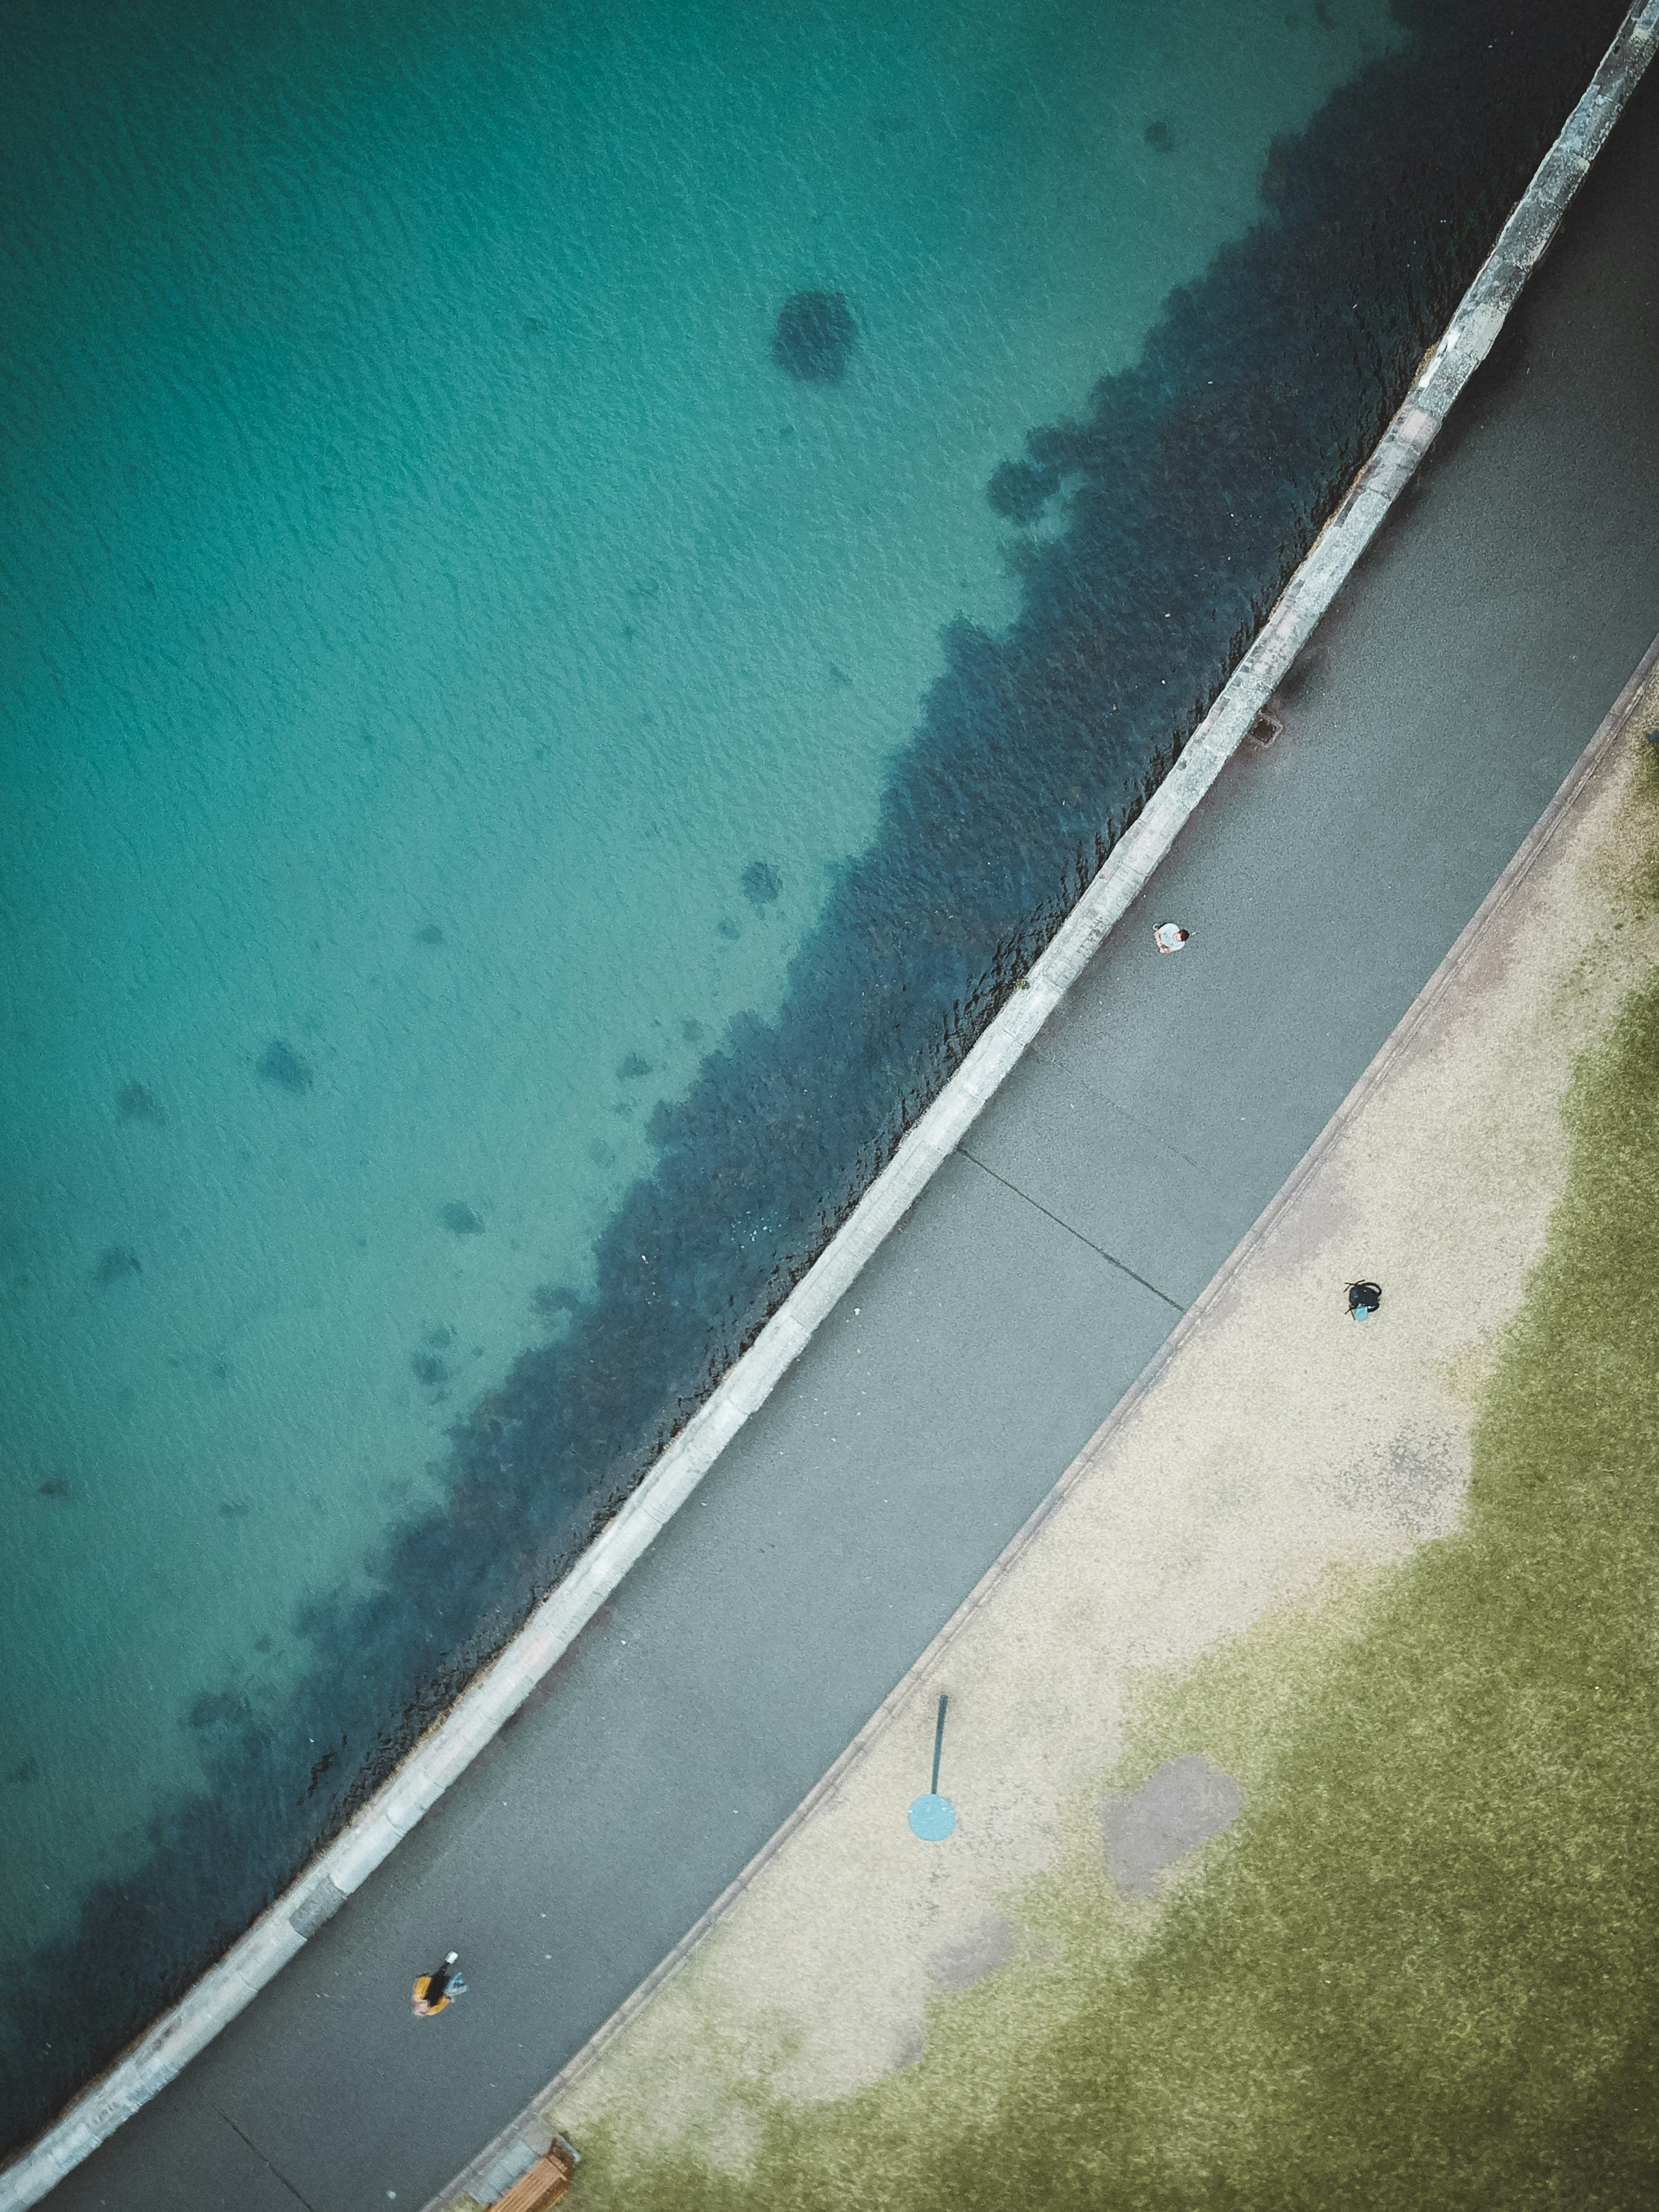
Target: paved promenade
[{"x": 1461, "y": 673}]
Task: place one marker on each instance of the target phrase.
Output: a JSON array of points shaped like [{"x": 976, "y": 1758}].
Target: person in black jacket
[{"x": 434, "y": 1991}]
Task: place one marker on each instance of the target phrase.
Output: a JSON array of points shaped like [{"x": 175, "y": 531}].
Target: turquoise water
[{"x": 450, "y": 664}]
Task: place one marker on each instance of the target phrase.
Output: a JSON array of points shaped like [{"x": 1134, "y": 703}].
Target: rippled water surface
[{"x": 530, "y": 752}]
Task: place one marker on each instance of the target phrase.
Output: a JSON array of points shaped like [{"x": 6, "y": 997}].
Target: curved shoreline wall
[{"x": 162, "y": 2051}]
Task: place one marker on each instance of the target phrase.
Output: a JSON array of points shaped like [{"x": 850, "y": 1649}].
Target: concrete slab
[
  {"x": 1131, "y": 1191},
  {"x": 190, "y": 2155}
]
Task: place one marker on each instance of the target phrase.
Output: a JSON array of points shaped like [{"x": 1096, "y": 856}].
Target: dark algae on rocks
[{"x": 1149, "y": 538}]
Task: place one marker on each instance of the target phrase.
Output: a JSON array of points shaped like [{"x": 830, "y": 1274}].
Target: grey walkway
[{"x": 1463, "y": 670}]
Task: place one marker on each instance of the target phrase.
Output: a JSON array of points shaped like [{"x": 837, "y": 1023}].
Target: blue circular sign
[{"x": 933, "y": 1819}]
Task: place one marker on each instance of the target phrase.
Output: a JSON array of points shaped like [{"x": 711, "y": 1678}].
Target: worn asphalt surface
[{"x": 1464, "y": 668}]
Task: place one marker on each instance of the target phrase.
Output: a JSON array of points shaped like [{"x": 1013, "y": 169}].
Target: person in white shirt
[{"x": 1170, "y": 936}]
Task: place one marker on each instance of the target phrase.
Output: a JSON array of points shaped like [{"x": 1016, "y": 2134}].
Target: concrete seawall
[{"x": 447, "y": 1750}]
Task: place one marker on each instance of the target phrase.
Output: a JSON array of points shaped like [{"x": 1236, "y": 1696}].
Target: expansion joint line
[
  {"x": 1111, "y": 1260},
  {"x": 263, "y": 2160}
]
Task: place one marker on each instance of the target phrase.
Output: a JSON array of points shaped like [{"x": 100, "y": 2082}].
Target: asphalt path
[{"x": 1441, "y": 703}]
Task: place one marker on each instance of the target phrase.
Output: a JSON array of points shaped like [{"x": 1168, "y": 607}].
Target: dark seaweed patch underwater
[
  {"x": 814, "y": 336},
  {"x": 1184, "y": 499}
]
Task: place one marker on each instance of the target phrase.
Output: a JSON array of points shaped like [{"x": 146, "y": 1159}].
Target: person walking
[
  {"x": 1364, "y": 1299},
  {"x": 1170, "y": 936},
  {"x": 434, "y": 1991}
]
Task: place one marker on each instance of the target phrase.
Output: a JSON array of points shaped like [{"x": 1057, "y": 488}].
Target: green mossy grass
[{"x": 1422, "y": 1970}]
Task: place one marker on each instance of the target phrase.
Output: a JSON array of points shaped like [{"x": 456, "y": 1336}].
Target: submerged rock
[
  {"x": 813, "y": 338},
  {"x": 280, "y": 1064},
  {"x": 135, "y": 1101}
]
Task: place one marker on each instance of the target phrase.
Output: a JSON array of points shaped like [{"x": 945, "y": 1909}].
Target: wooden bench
[{"x": 547, "y": 2183}]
